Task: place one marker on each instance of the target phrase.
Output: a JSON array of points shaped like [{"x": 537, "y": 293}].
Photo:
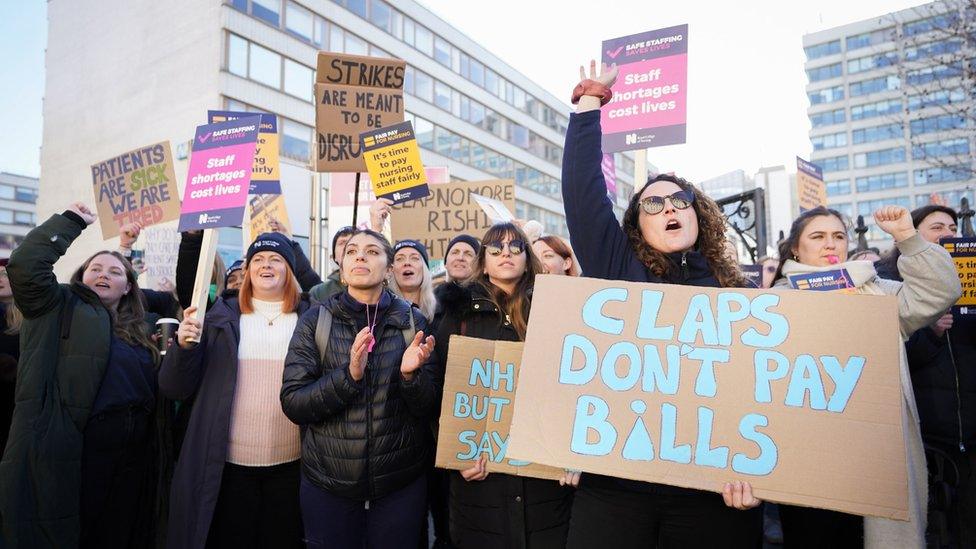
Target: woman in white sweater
[{"x": 237, "y": 477}]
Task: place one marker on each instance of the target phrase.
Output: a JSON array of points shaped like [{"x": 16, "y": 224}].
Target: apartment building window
[
  {"x": 268, "y": 10},
  {"x": 829, "y": 141},
  {"x": 828, "y": 118},
  {"x": 825, "y": 73},
  {"x": 8, "y": 192},
  {"x": 296, "y": 139},
  {"x": 877, "y": 133},
  {"x": 942, "y": 174},
  {"x": 237, "y": 55},
  {"x": 878, "y": 108},
  {"x": 937, "y": 123},
  {"x": 822, "y": 50},
  {"x": 932, "y": 49},
  {"x": 832, "y": 164},
  {"x": 826, "y": 95},
  {"x": 264, "y": 66},
  {"x": 26, "y": 194},
  {"x": 838, "y": 187},
  {"x": 881, "y": 182},
  {"x": 936, "y": 98},
  {"x": 866, "y": 39},
  {"x": 424, "y": 40},
  {"x": 299, "y": 21},
  {"x": 356, "y": 6},
  {"x": 845, "y": 208},
  {"x": 870, "y": 62},
  {"x": 442, "y": 52},
  {"x": 879, "y": 158},
  {"x": 298, "y": 80},
  {"x": 925, "y": 75},
  {"x": 381, "y": 15},
  {"x": 946, "y": 147},
  {"x": 874, "y": 85},
  {"x": 24, "y": 218}
]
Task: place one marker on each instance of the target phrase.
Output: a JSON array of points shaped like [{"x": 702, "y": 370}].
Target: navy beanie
[
  {"x": 467, "y": 239},
  {"x": 235, "y": 266},
  {"x": 273, "y": 242},
  {"x": 421, "y": 249}
]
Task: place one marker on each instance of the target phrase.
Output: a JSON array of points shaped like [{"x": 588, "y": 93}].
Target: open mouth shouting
[{"x": 672, "y": 225}]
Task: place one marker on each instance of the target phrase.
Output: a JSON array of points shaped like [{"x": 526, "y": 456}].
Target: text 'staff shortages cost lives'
[
  {"x": 220, "y": 174},
  {"x": 649, "y": 105}
]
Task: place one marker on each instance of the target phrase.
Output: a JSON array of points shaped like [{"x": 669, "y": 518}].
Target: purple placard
[{"x": 220, "y": 174}]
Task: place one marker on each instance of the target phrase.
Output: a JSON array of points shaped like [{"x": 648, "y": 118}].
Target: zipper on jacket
[
  {"x": 955, "y": 370},
  {"x": 684, "y": 265}
]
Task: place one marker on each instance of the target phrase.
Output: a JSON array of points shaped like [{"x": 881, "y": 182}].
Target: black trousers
[
  {"x": 116, "y": 480},
  {"x": 620, "y": 518},
  {"x": 814, "y": 528},
  {"x": 257, "y": 508}
]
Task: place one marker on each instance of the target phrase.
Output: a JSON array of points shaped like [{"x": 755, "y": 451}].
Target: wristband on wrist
[{"x": 593, "y": 88}]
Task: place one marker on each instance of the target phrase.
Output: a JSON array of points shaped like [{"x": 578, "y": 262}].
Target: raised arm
[
  {"x": 596, "y": 236},
  {"x": 186, "y": 266},
  {"x": 31, "y": 267},
  {"x": 931, "y": 284}
]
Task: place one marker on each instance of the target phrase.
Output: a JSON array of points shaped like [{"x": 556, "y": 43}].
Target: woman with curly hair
[{"x": 671, "y": 233}]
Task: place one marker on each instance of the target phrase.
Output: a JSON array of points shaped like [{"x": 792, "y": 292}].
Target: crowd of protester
[{"x": 293, "y": 410}]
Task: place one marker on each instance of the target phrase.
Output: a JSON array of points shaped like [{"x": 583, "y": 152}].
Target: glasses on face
[
  {"x": 655, "y": 204},
  {"x": 515, "y": 247}
]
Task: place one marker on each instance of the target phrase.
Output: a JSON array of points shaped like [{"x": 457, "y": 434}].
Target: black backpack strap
[
  {"x": 66, "y": 313},
  {"x": 323, "y": 329},
  {"x": 411, "y": 332}
]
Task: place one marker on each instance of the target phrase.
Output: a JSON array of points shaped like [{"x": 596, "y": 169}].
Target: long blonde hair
[
  {"x": 428, "y": 301},
  {"x": 14, "y": 318}
]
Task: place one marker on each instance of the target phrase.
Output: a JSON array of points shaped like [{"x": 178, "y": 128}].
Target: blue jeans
[{"x": 392, "y": 521}]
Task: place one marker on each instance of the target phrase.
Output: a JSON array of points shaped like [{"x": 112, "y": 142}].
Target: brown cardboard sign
[
  {"x": 136, "y": 186},
  {"x": 476, "y": 411},
  {"x": 450, "y": 209},
  {"x": 353, "y": 94},
  {"x": 798, "y": 393}
]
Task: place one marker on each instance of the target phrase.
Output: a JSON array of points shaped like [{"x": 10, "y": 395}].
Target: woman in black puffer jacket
[
  {"x": 500, "y": 510},
  {"x": 365, "y": 410}
]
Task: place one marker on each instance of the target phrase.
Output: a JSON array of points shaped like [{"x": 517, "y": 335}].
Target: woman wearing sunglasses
[
  {"x": 499, "y": 510},
  {"x": 671, "y": 233}
]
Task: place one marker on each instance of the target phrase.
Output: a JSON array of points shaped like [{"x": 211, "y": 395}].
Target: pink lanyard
[{"x": 372, "y": 342}]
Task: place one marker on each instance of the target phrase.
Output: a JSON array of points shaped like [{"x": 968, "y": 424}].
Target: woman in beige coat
[{"x": 818, "y": 241}]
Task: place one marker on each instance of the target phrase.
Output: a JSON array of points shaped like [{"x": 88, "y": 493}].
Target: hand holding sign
[
  {"x": 478, "y": 472},
  {"x": 416, "y": 354},
  {"x": 188, "y": 334},
  {"x": 379, "y": 212},
  {"x": 943, "y": 324},
  {"x": 896, "y": 221},
  {"x": 83, "y": 212},
  {"x": 607, "y": 75},
  {"x": 739, "y": 495}
]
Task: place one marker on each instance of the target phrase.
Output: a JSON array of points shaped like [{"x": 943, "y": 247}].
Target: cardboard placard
[
  {"x": 810, "y": 187},
  {"x": 220, "y": 174},
  {"x": 342, "y": 191},
  {"x": 136, "y": 186},
  {"x": 162, "y": 253},
  {"x": 476, "y": 411},
  {"x": 353, "y": 94},
  {"x": 450, "y": 210},
  {"x": 266, "y": 172},
  {"x": 393, "y": 159},
  {"x": 650, "y": 97},
  {"x": 798, "y": 393},
  {"x": 261, "y": 210},
  {"x": 963, "y": 252}
]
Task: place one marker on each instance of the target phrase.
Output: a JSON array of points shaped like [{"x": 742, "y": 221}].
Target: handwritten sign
[
  {"x": 393, "y": 160},
  {"x": 810, "y": 187},
  {"x": 266, "y": 172},
  {"x": 220, "y": 174},
  {"x": 963, "y": 252},
  {"x": 696, "y": 387},
  {"x": 476, "y": 411},
  {"x": 650, "y": 97},
  {"x": 136, "y": 186},
  {"x": 450, "y": 210},
  {"x": 353, "y": 94}
]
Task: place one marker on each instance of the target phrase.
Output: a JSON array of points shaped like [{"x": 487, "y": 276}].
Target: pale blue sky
[
  {"x": 23, "y": 36},
  {"x": 747, "y": 105}
]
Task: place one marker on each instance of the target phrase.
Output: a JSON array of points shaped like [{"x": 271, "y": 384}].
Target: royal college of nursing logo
[
  {"x": 207, "y": 218},
  {"x": 630, "y": 139}
]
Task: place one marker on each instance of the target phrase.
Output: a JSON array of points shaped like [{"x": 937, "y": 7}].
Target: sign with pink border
[{"x": 649, "y": 104}]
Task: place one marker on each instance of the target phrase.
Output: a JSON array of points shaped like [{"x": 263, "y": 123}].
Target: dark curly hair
[{"x": 711, "y": 235}]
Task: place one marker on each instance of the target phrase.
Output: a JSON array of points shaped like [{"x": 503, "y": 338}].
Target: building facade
[
  {"x": 891, "y": 110},
  {"x": 18, "y": 209},
  {"x": 472, "y": 112}
]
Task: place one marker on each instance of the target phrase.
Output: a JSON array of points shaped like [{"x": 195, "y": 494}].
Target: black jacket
[
  {"x": 943, "y": 377},
  {"x": 208, "y": 373},
  {"x": 502, "y": 510},
  {"x": 360, "y": 439}
]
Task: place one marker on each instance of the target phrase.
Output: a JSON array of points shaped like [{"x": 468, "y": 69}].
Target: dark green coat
[{"x": 65, "y": 342}]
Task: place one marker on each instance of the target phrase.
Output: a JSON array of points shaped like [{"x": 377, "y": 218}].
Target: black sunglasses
[
  {"x": 515, "y": 246},
  {"x": 655, "y": 204}
]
